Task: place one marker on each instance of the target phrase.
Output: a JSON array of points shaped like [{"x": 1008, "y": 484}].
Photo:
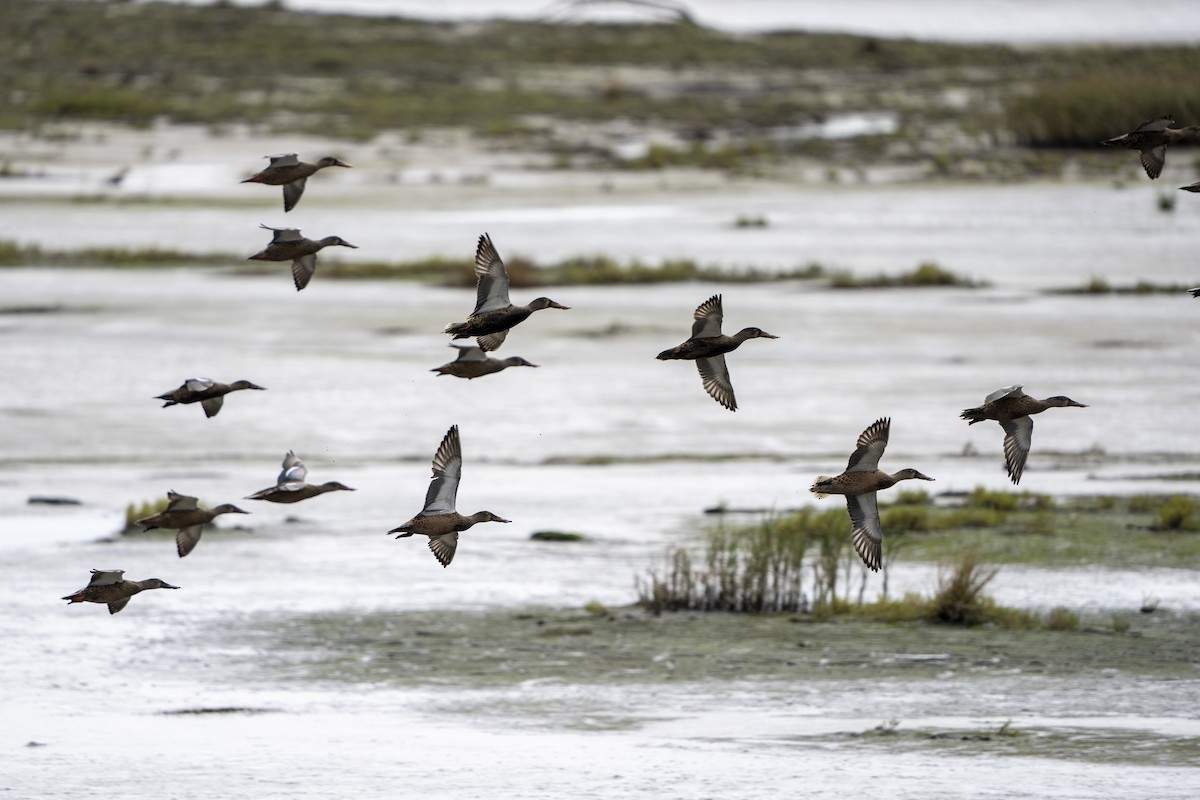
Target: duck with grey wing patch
[
  {"x": 290, "y": 487},
  {"x": 438, "y": 519},
  {"x": 859, "y": 483},
  {"x": 205, "y": 391},
  {"x": 1011, "y": 407},
  {"x": 288, "y": 171},
  {"x": 1151, "y": 138},
  {"x": 183, "y": 514},
  {"x": 494, "y": 313},
  {"x": 109, "y": 587},
  {"x": 288, "y": 245},
  {"x": 708, "y": 346},
  {"x": 472, "y": 362}
]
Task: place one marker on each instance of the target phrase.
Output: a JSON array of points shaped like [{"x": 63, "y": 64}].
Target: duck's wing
[
  {"x": 292, "y": 192},
  {"x": 491, "y": 291},
  {"x": 443, "y": 547},
  {"x": 283, "y": 234},
  {"x": 492, "y": 341},
  {"x": 715, "y": 377},
  {"x": 1018, "y": 438},
  {"x": 198, "y": 384},
  {"x": 303, "y": 269},
  {"x": 212, "y": 406},
  {"x": 284, "y": 160},
  {"x": 470, "y": 352},
  {"x": 104, "y": 577},
  {"x": 180, "y": 502},
  {"x": 1156, "y": 124},
  {"x": 117, "y": 605},
  {"x": 1154, "y": 160},
  {"x": 293, "y": 470},
  {"x": 1008, "y": 391},
  {"x": 187, "y": 538},
  {"x": 706, "y": 321},
  {"x": 447, "y": 469},
  {"x": 867, "y": 535},
  {"x": 870, "y": 446}
]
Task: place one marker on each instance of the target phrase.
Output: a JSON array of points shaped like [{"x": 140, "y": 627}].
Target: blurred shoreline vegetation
[
  {"x": 732, "y": 102},
  {"x": 803, "y": 562},
  {"x": 1100, "y": 286},
  {"x": 456, "y": 272}
]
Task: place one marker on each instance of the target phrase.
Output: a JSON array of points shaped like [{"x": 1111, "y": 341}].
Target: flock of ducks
[{"x": 493, "y": 317}]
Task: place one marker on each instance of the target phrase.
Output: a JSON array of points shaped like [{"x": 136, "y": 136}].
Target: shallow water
[{"x": 349, "y": 388}]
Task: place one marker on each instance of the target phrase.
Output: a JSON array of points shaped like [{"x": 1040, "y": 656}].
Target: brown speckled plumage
[
  {"x": 1151, "y": 138},
  {"x": 472, "y": 362},
  {"x": 187, "y": 518},
  {"x": 1011, "y": 407},
  {"x": 707, "y": 347},
  {"x": 290, "y": 486},
  {"x": 205, "y": 391},
  {"x": 288, "y": 245},
  {"x": 438, "y": 519},
  {"x": 859, "y": 483},
  {"x": 108, "y": 587},
  {"x": 494, "y": 313},
  {"x": 292, "y": 174}
]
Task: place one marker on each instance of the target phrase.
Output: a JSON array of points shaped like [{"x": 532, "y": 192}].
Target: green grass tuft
[
  {"x": 926, "y": 274},
  {"x": 1062, "y": 619},
  {"x": 1178, "y": 513}
]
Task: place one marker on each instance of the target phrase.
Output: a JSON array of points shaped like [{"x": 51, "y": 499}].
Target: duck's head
[
  {"x": 1062, "y": 401},
  {"x": 155, "y": 583},
  {"x": 753, "y": 333},
  {"x": 334, "y": 486},
  {"x": 546, "y": 302},
  {"x": 487, "y": 516},
  {"x": 329, "y": 241},
  {"x": 228, "y": 508},
  {"x": 911, "y": 474},
  {"x": 517, "y": 361},
  {"x": 330, "y": 161},
  {"x": 247, "y": 385}
]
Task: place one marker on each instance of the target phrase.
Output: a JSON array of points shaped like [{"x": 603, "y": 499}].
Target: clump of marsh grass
[
  {"x": 136, "y": 511},
  {"x": 13, "y": 254},
  {"x": 959, "y": 599},
  {"x": 926, "y": 274},
  {"x": 756, "y": 569},
  {"x": 574, "y": 271},
  {"x": 750, "y": 221},
  {"x": 1100, "y": 286},
  {"x": 1176, "y": 514},
  {"x": 761, "y": 569},
  {"x": 1062, "y": 619}
]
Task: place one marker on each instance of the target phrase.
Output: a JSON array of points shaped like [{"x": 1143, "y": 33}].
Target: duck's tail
[
  {"x": 972, "y": 415},
  {"x": 820, "y": 483}
]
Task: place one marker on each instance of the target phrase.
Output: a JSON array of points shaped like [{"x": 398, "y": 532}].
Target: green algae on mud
[
  {"x": 502, "y": 648},
  {"x": 1103, "y": 745},
  {"x": 1028, "y": 529}
]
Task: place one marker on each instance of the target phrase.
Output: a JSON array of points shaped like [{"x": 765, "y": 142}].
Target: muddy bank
[{"x": 627, "y": 647}]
